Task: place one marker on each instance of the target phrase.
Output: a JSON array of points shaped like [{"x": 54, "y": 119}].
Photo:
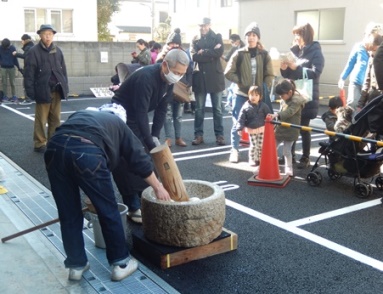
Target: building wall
[
  {"x": 187, "y": 16},
  {"x": 84, "y": 66},
  {"x": 276, "y": 19},
  {"x": 84, "y": 18}
]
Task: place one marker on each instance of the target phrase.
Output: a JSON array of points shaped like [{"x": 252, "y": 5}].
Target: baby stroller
[{"x": 357, "y": 158}]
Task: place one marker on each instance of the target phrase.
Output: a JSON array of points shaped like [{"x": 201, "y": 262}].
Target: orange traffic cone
[
  {"x": 269, "y": 175},
  {"x": 245, "y": 140},
  {"x": 342, "y": 95}
]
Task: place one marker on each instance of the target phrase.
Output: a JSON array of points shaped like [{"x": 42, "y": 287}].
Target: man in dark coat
[
  {"x": 208, "y": 78},
  {"x": 46, "y": 82},
  {"x": 27, "y": 43},
  {"x": 147, "y": 89}
]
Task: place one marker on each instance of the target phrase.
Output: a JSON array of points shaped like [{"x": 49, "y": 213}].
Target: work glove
[{"x": 156, "y": 141}]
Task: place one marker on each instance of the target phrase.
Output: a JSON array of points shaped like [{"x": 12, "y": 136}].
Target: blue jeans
[
  {"x": 353, "y": 94},
  {"x": 216, "y": 101},
  {"x": 230, "y": 94},
  {"x": 238, "y": 101},
  {"x": 173, "y": 114},
  {"x": 72, "y": 164}
]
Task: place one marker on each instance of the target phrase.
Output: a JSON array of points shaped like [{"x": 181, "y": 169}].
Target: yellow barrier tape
[
  {"x": 304, "y": 128},
  {"x": 330, "y": 133},
  {"x": 286, "y": 125},
  {"x": 355, "y": 138}
]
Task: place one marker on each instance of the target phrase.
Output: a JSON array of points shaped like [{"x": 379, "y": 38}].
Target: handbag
[
  {"x": 181, "y": 92},
  {"x": 305, "y": 86}
]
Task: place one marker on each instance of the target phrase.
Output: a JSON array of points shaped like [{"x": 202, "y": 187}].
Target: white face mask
[{"x": 171, "y": 77}]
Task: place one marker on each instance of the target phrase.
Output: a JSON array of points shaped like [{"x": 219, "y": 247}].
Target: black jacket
[
  {"x": 144, "y": 91},
  {"x": 109, "y": 133},
  {"x": 7, "y": 60},
  {"x": 312, "y": 58},
  {"x": 27, "y": 46},
  {"x": 378, "y": 66},
  {"x": 41, "y": 63},
  {"x": 252, "y": 115},
  {"x": 209, "y": 78}
]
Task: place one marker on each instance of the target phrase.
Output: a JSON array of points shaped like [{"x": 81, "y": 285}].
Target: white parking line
[
  {"x": 377, "y": 264},
  {"x": 17, "y": 112},
  {"x": 334, "y": 213}
]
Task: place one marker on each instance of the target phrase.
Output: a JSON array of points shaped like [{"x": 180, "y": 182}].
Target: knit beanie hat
[
  {"x": 175, "y": 37},
  {"x": 253, "y": 28}
]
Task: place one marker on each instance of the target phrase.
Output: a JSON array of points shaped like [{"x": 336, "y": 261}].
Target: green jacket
[
  {"x": 238, "y": 69},
  {"x": 290, "y": 112}
]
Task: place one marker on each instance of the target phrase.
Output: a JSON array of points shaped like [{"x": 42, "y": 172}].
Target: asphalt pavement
[{"x": 296, "y": 239}]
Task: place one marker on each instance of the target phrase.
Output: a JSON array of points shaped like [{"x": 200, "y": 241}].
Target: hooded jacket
[
  {"x": 290, "y": 112},
  {"x": 310, "y": 57}
]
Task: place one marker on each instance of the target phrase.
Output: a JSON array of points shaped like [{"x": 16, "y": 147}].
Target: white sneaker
[
  {"x": 119, "y": 273},
  {"x": 233, "y": 156},
  {"x": 135, "y": 216},
  {"x": 289, "y": 172},
  {"x": 75, "y": 274}
]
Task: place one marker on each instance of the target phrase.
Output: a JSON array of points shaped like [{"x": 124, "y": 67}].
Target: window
[
  {"x": 226, "y": 3},
  {"x": 328, "y": 24},
  {"x": 61, "y": 20}
]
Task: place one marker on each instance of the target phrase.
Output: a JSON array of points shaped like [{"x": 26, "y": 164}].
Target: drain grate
[{"x": 37, "y": 204}]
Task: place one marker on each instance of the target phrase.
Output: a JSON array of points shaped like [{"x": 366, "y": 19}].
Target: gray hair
[{"x": 177, "y": 55}]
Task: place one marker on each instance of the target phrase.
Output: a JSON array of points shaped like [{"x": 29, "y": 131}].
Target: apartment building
[{"x": 74, "y": 20}]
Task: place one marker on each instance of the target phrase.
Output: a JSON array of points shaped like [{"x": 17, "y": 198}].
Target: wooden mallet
[{"x": 168, "y": 172}]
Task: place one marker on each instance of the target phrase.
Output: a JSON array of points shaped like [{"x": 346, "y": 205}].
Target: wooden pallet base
[{"x": 169, "y": 256}]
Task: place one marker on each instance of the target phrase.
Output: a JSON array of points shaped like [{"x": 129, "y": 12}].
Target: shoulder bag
[{"x": 181, "y": 92}]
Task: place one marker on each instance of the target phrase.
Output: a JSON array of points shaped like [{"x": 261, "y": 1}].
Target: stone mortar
[{"x": 187, "y": 223}]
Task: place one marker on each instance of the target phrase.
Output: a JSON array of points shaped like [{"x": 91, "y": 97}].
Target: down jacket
[
  {"x": 310, "y": 57},
  {"x": 41, "y": 63}
]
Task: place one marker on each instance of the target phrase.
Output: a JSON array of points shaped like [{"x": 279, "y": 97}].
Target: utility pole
[
  {"x": 152, "y": 16},
  {"x": 152, "y": 11}
]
